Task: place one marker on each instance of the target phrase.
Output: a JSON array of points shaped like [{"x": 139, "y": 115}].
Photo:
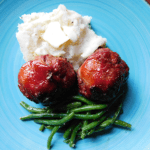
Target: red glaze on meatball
[
  {"x": 102, "y": 74},
  {"x": 46, "y": 78}
]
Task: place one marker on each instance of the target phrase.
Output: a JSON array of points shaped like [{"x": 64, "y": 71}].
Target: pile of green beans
[{"x": 77, "y": 119}]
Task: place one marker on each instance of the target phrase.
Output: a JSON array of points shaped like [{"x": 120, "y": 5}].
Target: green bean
[
  {"x": 99, "y": 129},
  {"x": 72, "y": 111},
  {"x": 60, "y": 115},
  {"x": 121, "y": 111},
  {"x": 68, "y": 131},
  {"x": 83, "y": 133},
  {"x": 93, "y": 124},
  {"x": 54, "y": 130},
  {"x": 106, "y": 123},
  {"x": 117, "y": 113},
  {"x": 73, "y": 135},
  {"x": 122, "y": 124},
  {"x": 116, "y": 122},
  {"x": 67, "y": 141},
  {"x": 89, "y": 108},
  {"x": 73, "y": 105},
  {"x": 56, "y": 122},
  {"x": 32, "y": 109},
  {"x": 112, "y": 120},
  {"x": 83, "y": 99},
  {"x": 93, "y": 130},
  {"x": 85, "y": 122},
  {"x": 90, "y": 116},
  {"x": 49, "y": 127},
  {"x": 43, "y": 115},
  {"x": 42, "y": 127},
  {"x": 49, "y": 111}
]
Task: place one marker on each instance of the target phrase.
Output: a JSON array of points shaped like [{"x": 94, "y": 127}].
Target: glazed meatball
[
  {"x": 46, "y": 79},
  {"x": 102, "y": 75}
]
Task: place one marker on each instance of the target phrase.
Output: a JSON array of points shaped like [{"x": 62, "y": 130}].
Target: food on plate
[
  {"x": 59, "y": 47},
  {"x": 46, "y": 79},
  {"x": 76, "y": 122},
  {"x": 62, "y": 33},
  {"x": 102, "y": 75}
]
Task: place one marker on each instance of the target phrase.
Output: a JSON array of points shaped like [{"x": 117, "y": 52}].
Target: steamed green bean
[
  {"x": 42, "y": 127},
  {"x": 89, "y": 108},
  {"x": 61, "y": 115},
  {"x": 79, "y": 119},
  {"x": 83, "y": 99},
  {"x": 54, "y": 130},
  {"x": 73, "y": 135},
  {"x": 56, "y": 122},
  {"x": 32, "y": 109},
  {"x": 83, "y": 133},
  {"x": 93, "y": 124},
  {"x": 68, "y": 131}
]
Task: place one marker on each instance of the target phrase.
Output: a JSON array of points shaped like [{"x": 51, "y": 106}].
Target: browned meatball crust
[{"x": 102, "y": 75}]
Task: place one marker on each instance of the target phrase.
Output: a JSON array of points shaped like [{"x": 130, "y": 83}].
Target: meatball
[
  {"x": 102, "y": 75},
  {"x": 46, "y": 79}
]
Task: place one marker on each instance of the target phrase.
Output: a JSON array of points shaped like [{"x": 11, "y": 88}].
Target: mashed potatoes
[{"x": 62, "y": 33}]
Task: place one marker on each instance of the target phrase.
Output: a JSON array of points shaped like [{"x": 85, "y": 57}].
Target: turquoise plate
[{"x": 126, "y": 25}]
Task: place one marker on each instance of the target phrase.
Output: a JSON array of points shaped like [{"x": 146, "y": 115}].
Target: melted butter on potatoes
[{"x": 61, "y": 32}]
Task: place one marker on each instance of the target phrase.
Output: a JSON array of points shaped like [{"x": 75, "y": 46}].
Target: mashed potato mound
[{"x": 62, "y": 33}]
